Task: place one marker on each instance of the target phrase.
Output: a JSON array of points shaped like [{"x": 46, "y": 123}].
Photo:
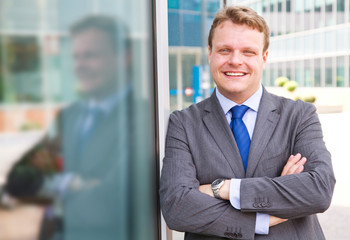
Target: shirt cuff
[
  {"x": 262, "y": 223},
  {"x": 235, "y": 193}
]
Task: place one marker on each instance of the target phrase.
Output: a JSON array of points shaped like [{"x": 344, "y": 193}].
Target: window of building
[
  {"x": 340, "y": 11},
  {"x": 328, "y": 72},
  {"x": 272, "y": 5},
  {"x": 308, "y": 81},
  {"x": 265, "y": 6},
  {"x": 318, "y": 15},
  {"x": 340, "y": 80},
  {"x": 317, "y": 72},
  {"x": 288, "y": 6},
  {"x": 330, "y": 45},
  {"x": 329, "y": 13},
  {"x": 279, "y": 5},
  {"x": 298, "y": 74},
  {"x": 340, "y": 39}
]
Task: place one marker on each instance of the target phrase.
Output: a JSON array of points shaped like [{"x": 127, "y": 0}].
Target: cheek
[{"x": 218, "y": 61}]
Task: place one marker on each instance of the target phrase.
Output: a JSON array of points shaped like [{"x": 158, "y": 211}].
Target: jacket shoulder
[
  {"x": 288, "y": 105},
  {"x": 193, "y": 112}
]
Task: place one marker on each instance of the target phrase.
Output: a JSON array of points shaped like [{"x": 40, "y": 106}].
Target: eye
[
  {"x": 224, "y": 50},
  {"x": 249, "y": 52}
]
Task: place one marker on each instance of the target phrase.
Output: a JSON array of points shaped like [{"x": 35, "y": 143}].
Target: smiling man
[{"x": 245, "y": 164}]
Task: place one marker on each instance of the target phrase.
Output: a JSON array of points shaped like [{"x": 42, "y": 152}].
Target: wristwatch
[{"x": 215, "y": 187}]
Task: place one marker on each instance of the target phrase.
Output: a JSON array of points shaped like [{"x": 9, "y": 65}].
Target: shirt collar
[{"x": 252, "y": 102}]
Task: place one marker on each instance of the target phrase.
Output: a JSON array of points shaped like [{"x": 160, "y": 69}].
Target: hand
[
  {"x": 275, "y": 221},
  {"x": 294, "y": 165},
  {"x": 224, "y": 190},
  {"x": 206, "y": 189}
]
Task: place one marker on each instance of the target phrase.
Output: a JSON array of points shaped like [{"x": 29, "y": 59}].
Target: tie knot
[{"x": 239, "y": 111}]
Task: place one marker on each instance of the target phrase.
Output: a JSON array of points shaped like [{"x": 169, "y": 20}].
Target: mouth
[{"x": 235, "y": 74}]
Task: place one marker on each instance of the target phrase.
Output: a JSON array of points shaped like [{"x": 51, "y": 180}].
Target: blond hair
[{"x": 242, "y": 16}]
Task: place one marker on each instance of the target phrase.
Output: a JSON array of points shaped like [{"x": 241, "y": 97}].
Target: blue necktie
[{"x": 240, "y": 132}]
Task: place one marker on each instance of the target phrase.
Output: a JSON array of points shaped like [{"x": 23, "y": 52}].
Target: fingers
[
  {"x": 294, "y": 165},
  {"x": 276, "y": 220},
  {"x": 206, "y": 189}
]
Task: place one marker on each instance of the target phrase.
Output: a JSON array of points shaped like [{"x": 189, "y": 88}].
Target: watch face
[{"x": 216, "y": 182}]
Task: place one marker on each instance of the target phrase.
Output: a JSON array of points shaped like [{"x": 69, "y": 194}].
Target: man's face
[
  {"x": 237, "y": 60},
  {"x": 95, "y": 61}
]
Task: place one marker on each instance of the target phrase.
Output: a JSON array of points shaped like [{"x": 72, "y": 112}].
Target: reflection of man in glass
[{"x": 90, "y": 137}]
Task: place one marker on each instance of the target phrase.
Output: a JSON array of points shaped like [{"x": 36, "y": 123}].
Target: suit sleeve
[
  {"x": 296, "y": 195},
  {"x": 184, "y": 207}
]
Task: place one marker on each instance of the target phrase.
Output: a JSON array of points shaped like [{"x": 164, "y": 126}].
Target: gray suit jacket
[{"x": 200, "y": 148}]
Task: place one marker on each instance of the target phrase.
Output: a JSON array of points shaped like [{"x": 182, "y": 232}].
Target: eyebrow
[{"x": 243, "y": 48}]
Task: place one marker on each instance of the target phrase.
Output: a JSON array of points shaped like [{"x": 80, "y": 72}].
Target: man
[
  {"x": 91, "y": 138},
  {"x": 244, "y": 164}
]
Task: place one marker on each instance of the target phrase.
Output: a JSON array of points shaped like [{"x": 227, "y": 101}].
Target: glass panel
[
  {"x": 307, "y": 73},
  {"x": 307, "y": 15},
  {"x": 75, "y": 78},
  {"x": 264, "y": 6},
  {"x": 318, "y": 73},
  {"x": 319, "y": 20},
  {"x": 188, "y": 61},
  {"x": 173, "y": 80},
  {"x": 330, "y": 41},
  {"x": 186, "y": 33},
  {"x": 288, "y": 6},
  {"x": 192, "y": 30},
  {"x": 175, "y": 32},
  {"x": 340, "y": 71},
  {"x": 273, "y": 73},
  {"x": 308, "y": 46},
  {"x": 265, "y": 79},
  {"x": 299, "y": 45},
  {"x": 299, "y": 24},
  {"x": 193, "y": 5},
  {"x": 329, "y": 73},
  {"x": 272, "y": 5},
  {"x": 280, "y": 69},
  {"x": 341, "y": 41},
  {"x": 280, "y": 5},
  {"x": 298, "y": 72},
  {"x": 318, "y": 42},
  {"x": 329, "y": 13},
  {"x": 340, "y": 11},
  {"x": 173, "y": 4}
]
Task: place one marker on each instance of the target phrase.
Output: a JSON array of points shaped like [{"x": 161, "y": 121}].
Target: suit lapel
[
  {"x": 215, "y": 120},
  {"x": 265, "y": 125}
]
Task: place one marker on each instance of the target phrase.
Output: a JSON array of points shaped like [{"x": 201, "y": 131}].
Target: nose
[{"x": 235, "y": 58}]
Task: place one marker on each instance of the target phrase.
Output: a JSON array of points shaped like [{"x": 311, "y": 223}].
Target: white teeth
[{"x": 234, "y": 74}]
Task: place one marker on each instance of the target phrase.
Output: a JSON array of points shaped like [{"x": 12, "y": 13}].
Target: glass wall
[{"x": 75, "y": 77}]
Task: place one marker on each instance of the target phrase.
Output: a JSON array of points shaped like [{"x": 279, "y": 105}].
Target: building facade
[{"x": 310, "y": 40}]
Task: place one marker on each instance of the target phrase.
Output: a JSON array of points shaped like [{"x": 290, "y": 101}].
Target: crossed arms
[{"x": 301, "y": 190}]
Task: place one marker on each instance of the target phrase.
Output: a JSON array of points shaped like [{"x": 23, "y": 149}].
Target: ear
[
  {"x": 265, "y": 55},
  {"x": 209, "y": 54}
]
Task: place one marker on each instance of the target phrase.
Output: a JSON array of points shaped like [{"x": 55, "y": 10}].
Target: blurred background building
[{"x": 310, "y": 43}]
